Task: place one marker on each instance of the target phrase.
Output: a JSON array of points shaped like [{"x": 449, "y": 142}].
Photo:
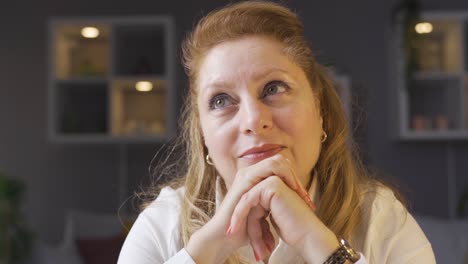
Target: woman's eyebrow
[
  {"x": 261, "y": 74},
  {"x": 256, "y": 76},
  {"x": 218, "y": 84}
]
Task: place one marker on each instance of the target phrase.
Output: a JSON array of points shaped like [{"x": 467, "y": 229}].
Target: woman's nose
[{"x": 256, "y": 118}]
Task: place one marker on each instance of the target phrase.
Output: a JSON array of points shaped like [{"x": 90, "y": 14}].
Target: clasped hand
[{"x": 269, "y": 187}]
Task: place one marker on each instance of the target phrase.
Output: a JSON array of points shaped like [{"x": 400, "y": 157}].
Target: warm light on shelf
[
  {"x": 90, "y": 32},
  {"x": 144, "y": 86},
  {"x": 423, "y": 28}
]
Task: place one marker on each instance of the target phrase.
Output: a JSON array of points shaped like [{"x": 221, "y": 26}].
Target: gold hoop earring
[
  {"x": 208, "y": 160},
  {"x": 324, "y": 136}
]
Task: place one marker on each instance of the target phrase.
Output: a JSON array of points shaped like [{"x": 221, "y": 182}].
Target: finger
[
  {"x": 248, "y": 177},
  {"x": 268, "y": 237},
  {"x": 274, "y": 166},
  {"x": 301, "y": 191},
  {"x": 255, "y": 234},
  {"x": 253, "y": 198},
  {"x": 282, "y": 168},
  {"x": 241, "y": 211}
]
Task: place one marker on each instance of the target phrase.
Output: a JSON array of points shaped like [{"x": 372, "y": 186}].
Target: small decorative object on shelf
[
  {"x": 156, "y": 127},
  {"x": 87, "y": 68},
  {"x": 421, "y": 123},
  {"x": 442, "y": 122},
  {"x": 424, "y": 123},
  {"x": 111, "y": 79}
]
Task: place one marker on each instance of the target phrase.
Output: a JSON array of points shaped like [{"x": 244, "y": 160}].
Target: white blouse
[{"x": 390, "y": 234}]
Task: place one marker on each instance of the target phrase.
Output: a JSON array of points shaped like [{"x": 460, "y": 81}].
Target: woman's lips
[{"x": 257, "y": 154}]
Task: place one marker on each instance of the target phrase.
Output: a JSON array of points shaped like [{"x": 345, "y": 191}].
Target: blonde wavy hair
[{"x": 341, "y": 176}]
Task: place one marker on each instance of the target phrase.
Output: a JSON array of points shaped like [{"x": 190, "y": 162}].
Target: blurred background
[{"x": 90, "y": 90}]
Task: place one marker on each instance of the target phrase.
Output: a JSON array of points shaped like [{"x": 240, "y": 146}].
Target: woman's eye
[
  {"x": 219, "y": 101},
  {"x": 274, "y": 87}
]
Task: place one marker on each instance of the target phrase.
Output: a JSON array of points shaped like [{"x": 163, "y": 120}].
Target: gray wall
[{"x": 353, "y": 35}]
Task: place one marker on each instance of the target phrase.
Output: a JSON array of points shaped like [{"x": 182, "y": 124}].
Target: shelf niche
[
  {"x": 82, "y": 109},
  {"x": 433, "y": 105},
  {"x": 78, "y": 57},
  {"x": 438, "y": 51},
  {"x": 138, "y": 113},
  {"x": 139, "y": 50}
]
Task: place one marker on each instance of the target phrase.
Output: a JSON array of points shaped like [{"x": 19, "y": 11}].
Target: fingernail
[
  {"x": 310, "y": 203},
  {"x": 257, "y": 258},
  {"x": 268, "y": 247},
  {"x": 306, "y": 193},
  {"x": 228, "y": 231}
]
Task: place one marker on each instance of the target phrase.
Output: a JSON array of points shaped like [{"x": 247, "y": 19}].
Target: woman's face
[{"x": 255, "y": 102}]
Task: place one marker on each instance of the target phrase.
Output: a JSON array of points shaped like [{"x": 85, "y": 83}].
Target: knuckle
[
  {"x": 275, "y": 163},
  {"x": 245, "y": 198},
  {"x": 274, "y": 182}
]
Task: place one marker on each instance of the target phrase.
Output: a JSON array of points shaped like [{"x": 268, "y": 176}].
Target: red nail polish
[
  {"x": 269, "y": 248},
  {"x": 256, "y": 256},
  {"x": 228, "y": 231},
  {"x": 309, "y": 202}
]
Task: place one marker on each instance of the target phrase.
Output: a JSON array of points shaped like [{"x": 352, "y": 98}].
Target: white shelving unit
[
  {"x": 92, "y": 95},
  {"x": 434, "y": 106},
  {"x": 91, "y": 91}
]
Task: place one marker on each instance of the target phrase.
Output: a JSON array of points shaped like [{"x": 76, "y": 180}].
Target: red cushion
[{"x": 100, "y": 250}]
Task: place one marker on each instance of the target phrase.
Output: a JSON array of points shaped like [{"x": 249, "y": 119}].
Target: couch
[{"x": 88, "y": 238}]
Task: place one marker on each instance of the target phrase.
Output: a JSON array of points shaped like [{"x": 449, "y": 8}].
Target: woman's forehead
[{"x": 254, "y": 57}]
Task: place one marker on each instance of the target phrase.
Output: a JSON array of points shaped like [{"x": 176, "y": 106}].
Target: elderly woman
[{"x": 270, "y": 173}]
